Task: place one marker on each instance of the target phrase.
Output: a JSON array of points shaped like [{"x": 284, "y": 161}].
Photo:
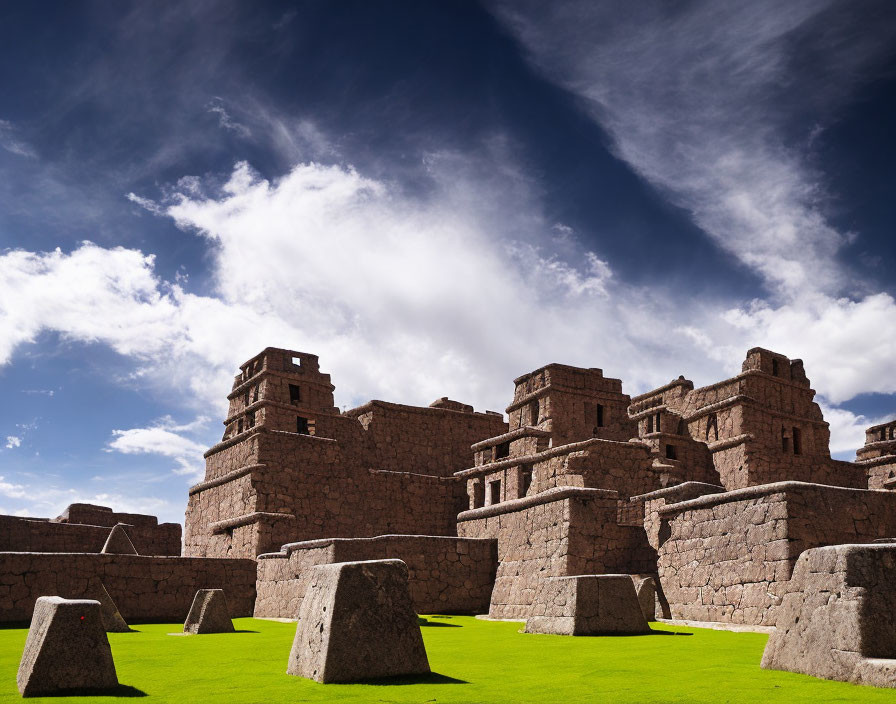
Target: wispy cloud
[
  {"x": 166, "y": 438},
  {"x": 13, "y": 491},
  {"x": 11, "y": 142},
  {"x": 701, "y": 99},
  {"x": 225, "y": 120}
]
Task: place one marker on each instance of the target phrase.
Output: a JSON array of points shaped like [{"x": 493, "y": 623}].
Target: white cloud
[
  {"x": 13, "y": 491},
  {"x": 847, "y": 428},
  {"x": 12, "y": 442},
  {"x": 164, "y": 439},
  {"x": 698, "y": 99},
  {"x": 12, "y": 143},
  {"x": 226, "y": 121}
]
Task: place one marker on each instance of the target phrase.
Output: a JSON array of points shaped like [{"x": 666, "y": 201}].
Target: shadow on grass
[
  {"x": 431, "y": 624},
  {"x": 427, "y": 678},
  {"x": 121, "y": 691}
]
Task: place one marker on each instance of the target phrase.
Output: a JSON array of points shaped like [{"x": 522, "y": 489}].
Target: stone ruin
[
  {"x": 66, "y": 649},
  {"x": 712, "y": 493},
  {"x": 357, "y": 622},
  {"x": 209, "y": 613}
]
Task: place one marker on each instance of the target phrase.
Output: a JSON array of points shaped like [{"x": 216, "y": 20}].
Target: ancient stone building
[
  {"x": 716, "y": 491},
  {"x": 291, "y": 467}
]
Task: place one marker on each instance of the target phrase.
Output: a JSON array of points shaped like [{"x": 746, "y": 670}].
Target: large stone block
[
  {"x": 66, "y": 649},
  {"x": 838, "y": 619},
  {"x": 209, "y": 613},
  {"x": 112, "y": 619},
  {"x": 587, "y": 605},
  {"x": 357, "y": 622}
]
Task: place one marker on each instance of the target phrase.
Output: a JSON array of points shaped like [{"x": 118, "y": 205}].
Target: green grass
[{"x": 475, "y": 661}]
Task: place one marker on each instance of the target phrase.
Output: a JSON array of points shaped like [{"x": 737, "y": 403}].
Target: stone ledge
[
  {"x": 224, "y": 478},
  {"x": 290, "y": 548},
  {"x": 545, "y": 455},
  {"x": 525, "y": 431},
  {"x": 684, "y": 487},
  {"x": 752, "y": 492},
  {"x": 246, "y": 519},
  {"x": 556, "y": 494}
]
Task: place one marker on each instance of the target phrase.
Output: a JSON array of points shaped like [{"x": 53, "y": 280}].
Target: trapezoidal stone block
[
  {"x": 209, "y": 613},
  {"x": 838, "y": 617},
  {"x": 112, "y": 619},
  {"x": 66, "y": 649},
  {"x": 118, "y": 542},
  {"x": 584, "y": 605},
  {"x": 357, "y": 622}
]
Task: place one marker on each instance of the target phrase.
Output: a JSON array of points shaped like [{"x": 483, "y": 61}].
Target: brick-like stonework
[
  {"x": 729, "y": 557},
  {"x": 144, "y": 588},
  {"x": 445, "y": 575},
  {"x": 66, "y": 535},
  {"x": 563, "y": 531}
]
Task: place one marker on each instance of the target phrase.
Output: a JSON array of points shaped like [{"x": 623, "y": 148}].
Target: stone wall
[
  {"x": 560, "y": 532},
  {"x": 728, "y": 557},
  {"x": 143, "y": 588},
  {"x": 445, "y": 575},
  {"x": 42, "y": 535}
]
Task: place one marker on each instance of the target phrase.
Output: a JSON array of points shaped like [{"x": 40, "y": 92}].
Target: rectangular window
[
  {"x": 239, "y": 426},
  {"x": 533, "y": 413},
  {"x": 502, "y": 450},
  {"x": 670, "y": 452},
  {"x": 297, "y": 361},
  {"x": 600, "y": 416},
  {"x": 250, "y": 420},
  {"x": 650, "y": 423},
  {"x": 785, "y": 441},
  {"x": 255, "y": 394},
  {"x": 246, "y": 398},
  {"x": 797, "y": 442},
  {"x": 525, "y": 480},
  {"x": 295, "y": 394},
  {"x": 478, "y": 494},
  {"x": 302, "y": 425},
  {"x": 774, "y": 367},
  {"x": 494, "y": 492}
]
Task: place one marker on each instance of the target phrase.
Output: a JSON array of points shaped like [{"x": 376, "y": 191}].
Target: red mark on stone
[{"x": 82, "y": 618}]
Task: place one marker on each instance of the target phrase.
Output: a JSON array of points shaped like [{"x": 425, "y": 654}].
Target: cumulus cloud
[
  {"x": 12, "y": 442},
  {"x": 165, "y": 438},
  {"x": 13, "y": 491}
]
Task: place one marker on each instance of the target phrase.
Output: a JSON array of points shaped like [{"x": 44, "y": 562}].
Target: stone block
[
  {"x": 112, "y": 619},
  {"x": 209, "y": 613},
  {"x": 66, "y": 649},
  {"x": 118, "y": 542},
  {"x": 357, "y": 622},
  {"x": 587, "y": 605},
  {"x": 838, "y": 619},
  {"x": 645, "y": 588}
]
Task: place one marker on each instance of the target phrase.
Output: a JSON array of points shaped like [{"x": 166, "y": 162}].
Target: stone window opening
[
  {"x": 533, "y": 412},
  {"x": 670, "y": 452},
  {"x": 255, "y": 393},
  {"x": 599, "y": 409},
  {"x": 239, "y": 426},
  {"x": 525, "y": 480},
  {"x": 246, "y": 398},
  {"x": 295, "y": 394},
  {"x": 502, "y": 450},
  {"x": 657, "y": 424},
  {"x": 302, "y": 426},
  {"x": 250, "y": 420},
  {"x": 650, "y": 423},
  {"x": 785, "y": 440},
  {"x": 712, "y": 426},
  {"x": 478, "y": 494},
  {"x": 797, "y": 442},
  {"x": 297, "y": 361},
  {"x": 774, "y": 367},
  {"x": 494, "y": 492}
]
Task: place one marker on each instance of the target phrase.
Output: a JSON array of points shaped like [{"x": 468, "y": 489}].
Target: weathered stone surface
[
  {"x": 118, "y": 542},
  {"x": 209, "y": 613},
  {"x": 645, "y": 587},
  {"x": 66, "y": 649},
  {"x": 112, "y": 620},
  {"x": 357, "y": 623},
  {"x": 446, "y": 575},
  {"x": 586, "y": 605},
  {"x": 838, "y": 618},
  {"x": 143, "y": 587}
]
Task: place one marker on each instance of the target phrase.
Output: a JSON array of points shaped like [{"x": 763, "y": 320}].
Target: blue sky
[{"x": 433, "y": 197}]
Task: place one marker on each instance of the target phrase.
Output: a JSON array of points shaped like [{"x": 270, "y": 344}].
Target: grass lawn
[{"x": 475, "y": 661}]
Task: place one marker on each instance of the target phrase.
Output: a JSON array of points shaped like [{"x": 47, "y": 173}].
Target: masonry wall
[
  {"x": 445, "y": 575},
  {"x": 38, "y": 535},
  {"x": 728, "y": 557},
  {"x": 563, "y": 531},
  {"x": 143, "y": 588}
]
